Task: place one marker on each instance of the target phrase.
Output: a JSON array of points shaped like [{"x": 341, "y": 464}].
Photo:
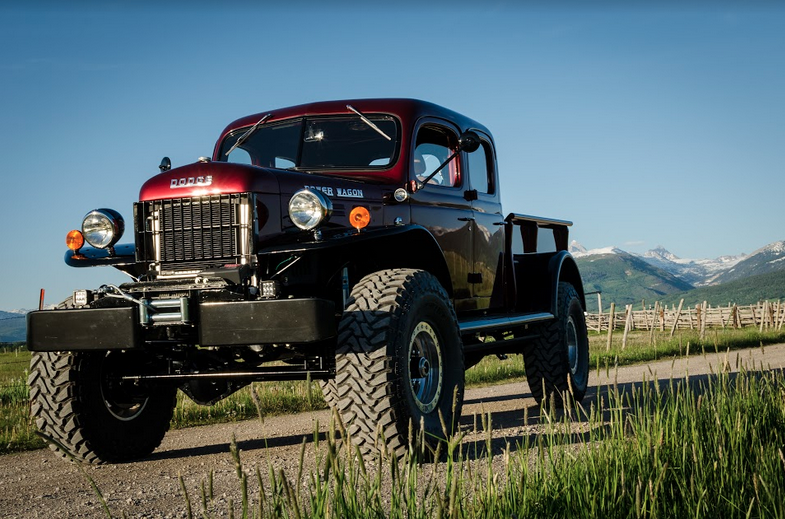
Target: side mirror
[
  {"x": 469, "y": 142},
  {"x": 166, "y": 164}
]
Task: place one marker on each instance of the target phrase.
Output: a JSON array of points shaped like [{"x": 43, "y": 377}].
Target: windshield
[{"x": 317, "y": 143}]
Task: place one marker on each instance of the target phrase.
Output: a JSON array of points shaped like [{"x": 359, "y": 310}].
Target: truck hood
[
  {"x": 215, "y": 178},
  {"x": 209, "y": 178}
]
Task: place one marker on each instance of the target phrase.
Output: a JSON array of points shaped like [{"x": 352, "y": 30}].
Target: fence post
[
  {"x": 599, "y": 306},
  {"x": 736, "y": 318},
  {"x": 645, "y": 314},
  {"x": 611, "y": 323},
  {"x": 703, "y": 320},
  {"x": 627, "y": 325},
  {"x": 653, "y": 322},
  {"x": 676, "y": 321}
]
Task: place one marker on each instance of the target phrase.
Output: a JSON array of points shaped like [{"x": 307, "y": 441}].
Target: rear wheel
[
  {"x": 399, "y": 362},
  {"x": 78, "y": 400},
  {"x": 559, "y": 361}
]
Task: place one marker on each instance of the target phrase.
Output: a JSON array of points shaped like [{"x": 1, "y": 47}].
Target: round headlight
[
  {"x": 308, "y": 208},
  {"x": 102, "y": 228}
]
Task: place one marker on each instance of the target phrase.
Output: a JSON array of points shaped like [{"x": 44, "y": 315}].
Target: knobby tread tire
[
  {"x": 371, "y": 393},
  {"x": 66, "y": 405},
  {"x": 546, "y": 361},
  {"x": 330, "y": 392}
]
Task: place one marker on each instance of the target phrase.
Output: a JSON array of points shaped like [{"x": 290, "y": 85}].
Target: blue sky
[{"x": 645, "y": 126}]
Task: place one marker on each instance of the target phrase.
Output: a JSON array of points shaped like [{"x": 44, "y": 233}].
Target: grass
[
  {"x": 641, "y": 347},
  {"x": 708, "y": 447},
  {"x": 274, "y": 398},
  {"x": 16, "y": 432},
  {"x": 711, "y": 448}
]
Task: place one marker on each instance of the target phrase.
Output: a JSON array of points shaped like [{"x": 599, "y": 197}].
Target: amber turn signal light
[
  {"x": 359, "y": 217},
  {"x": 74, "y": 240}
]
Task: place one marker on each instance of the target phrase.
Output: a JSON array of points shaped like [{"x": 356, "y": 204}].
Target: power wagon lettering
[{"x": 338, "y": 191}]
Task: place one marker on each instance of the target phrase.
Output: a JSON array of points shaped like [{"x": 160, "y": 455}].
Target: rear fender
[{"x": 563, "y": 268}]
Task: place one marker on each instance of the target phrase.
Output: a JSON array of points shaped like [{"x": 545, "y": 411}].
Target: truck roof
[{"x": 407, "y": 110}]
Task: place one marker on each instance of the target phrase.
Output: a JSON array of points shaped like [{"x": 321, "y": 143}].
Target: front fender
[
  {"x": 404, "y": 246},
  {"x": 119, "y": 255},
  {"x": 562, "y": 267}
]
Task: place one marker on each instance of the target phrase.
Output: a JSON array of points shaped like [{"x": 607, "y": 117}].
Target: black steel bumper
[{"x": 284, "y": 321}]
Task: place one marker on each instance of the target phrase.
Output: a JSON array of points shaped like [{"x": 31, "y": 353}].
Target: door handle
[{"x": 466, "y": 219}]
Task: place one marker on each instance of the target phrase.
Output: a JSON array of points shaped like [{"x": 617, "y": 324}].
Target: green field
[
  {"x": 283, "y": 397},
  {"x": 672, "y": 451},
  {"x": 646, "y": 450}
]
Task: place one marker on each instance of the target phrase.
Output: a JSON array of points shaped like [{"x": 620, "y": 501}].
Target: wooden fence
[{"x": 765, "y": 316}]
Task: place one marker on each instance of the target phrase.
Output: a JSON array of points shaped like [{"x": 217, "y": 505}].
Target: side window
[
  {"x": 283, "y": 163},
  {"x": 435, "y": 145},
  {"x": 481, "y": 169}
]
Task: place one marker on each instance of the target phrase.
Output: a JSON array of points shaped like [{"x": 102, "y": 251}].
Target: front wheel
[
  {"x": 399, "y": 362},
  {"x": 558, "y": 362},
  {"x": 78, "y": 400}
]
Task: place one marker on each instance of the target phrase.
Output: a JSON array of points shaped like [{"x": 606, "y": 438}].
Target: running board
[{"x": 506, "y": 322}]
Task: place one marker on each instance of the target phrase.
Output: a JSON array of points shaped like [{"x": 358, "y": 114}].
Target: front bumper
[{"x": 235, "y": 323}]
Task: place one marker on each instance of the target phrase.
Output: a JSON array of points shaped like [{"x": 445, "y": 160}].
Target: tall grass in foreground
[
  {"x": 18, "y": 434},
  {"x": 707, "y": 449}
]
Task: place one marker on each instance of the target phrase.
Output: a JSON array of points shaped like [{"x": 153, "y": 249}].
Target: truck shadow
[{"x": 256, "y": 444}]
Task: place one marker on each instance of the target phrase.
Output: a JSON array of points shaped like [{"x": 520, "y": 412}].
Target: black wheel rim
[
  {"x": 574, "y": 354},
  {"x": 119, "y": 397},
  {"x": 425, "y": 367}
]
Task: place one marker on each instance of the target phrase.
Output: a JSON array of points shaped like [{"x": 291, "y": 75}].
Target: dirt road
[{"x": 39, "y": 484}]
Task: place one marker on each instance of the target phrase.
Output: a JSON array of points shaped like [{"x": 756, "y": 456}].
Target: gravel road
[{"x": 39, "y": 484}]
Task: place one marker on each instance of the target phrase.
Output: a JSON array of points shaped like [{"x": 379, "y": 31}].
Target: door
[
  {"x": 488, "y": 228},
  {"x": 440, "y": 205}
]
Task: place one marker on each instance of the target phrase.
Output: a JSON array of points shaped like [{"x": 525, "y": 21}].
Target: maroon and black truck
[{"x": 359, "y": 243}]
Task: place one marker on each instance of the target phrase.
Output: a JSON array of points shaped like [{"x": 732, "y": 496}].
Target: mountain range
[
  {"x": 13, "y": 325},
  {"x": 626, "y": 278}
]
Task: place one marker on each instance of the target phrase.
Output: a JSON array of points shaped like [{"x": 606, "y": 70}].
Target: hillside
[
  {"x": 744, "y": 291},
  {"x": 625, "y": 279},
  {"x": 697, "y": 272},
  {"x": 770, "y": 258},
  {"x": 12, "y": 327}
]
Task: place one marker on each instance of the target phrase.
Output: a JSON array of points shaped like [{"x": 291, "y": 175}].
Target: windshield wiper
[
  {"x": 248, "y": 133},
  {"x": 369, "y": 123}
]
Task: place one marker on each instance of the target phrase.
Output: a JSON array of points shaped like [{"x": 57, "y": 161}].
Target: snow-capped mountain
[
  {"x": 697, "y": 272},
  {"x": 12, "y": 326},
  {"x": 701, "y": 272},
  {"x": 764, "y": 260}
]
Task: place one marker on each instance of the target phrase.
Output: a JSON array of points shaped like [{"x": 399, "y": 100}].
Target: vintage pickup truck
[{"x": 360, "y": 243}]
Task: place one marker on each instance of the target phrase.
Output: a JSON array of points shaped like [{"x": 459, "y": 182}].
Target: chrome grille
[{"x": 177, "y": 232}]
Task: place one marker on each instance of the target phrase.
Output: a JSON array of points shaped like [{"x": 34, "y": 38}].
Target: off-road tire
[
  {"x": 551, "y": 371},
  {"x": 330, "y": 392},
  {"x": 72, "y": 402},
  {"x": 399, "y": 324}
]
